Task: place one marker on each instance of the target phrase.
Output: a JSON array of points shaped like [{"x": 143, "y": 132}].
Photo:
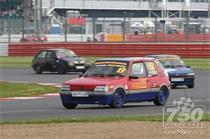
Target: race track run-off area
[{"x": 49, "y": 106}]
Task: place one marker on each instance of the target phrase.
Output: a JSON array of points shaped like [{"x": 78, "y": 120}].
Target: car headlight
[
  {"x": 191, "y": 74},
  {"x": 101, "y": 89},
  {"x": 76, "y": 62},
  {"x": 82, "y": 62},
  {"x": 70, "y": 63},
  {"x": 65, "y": 87}
]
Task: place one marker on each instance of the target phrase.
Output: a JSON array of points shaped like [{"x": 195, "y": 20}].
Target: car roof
[
  {"x": 55, "y": 49},
  {"x": 163, "y": 56},
  {"x": 127, "y": 59}
]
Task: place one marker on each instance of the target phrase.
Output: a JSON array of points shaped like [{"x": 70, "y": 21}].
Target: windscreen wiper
[
  {"x": 116, "y": 74},
  {"x": 94, "y": 74}
]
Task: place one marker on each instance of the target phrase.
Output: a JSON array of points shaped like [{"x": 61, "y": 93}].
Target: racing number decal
[
  {"x": 121, "y": 70},
  {"x": 139, "y": 84},
  {"x": 150, "y": 66}
]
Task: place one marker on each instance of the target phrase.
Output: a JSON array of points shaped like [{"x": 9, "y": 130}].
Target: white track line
[{"x": 31, "y": 98}]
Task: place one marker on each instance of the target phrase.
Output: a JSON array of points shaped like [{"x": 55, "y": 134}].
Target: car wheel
[
  {"x": 190, "y": 86},
  {"x": 61, "y": 69},
  {"x": 69, "y": 105},
  {"x": 118, "y": 99},
  {"x": 38, "y": 69},
  {"x": 161, "y": 97},
  {"x": 84, "y": 71},
  {"x": 173, "y": 86}
]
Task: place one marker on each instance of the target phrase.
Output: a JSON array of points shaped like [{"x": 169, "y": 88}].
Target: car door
[
  {"x": 51, "y": 60},
  {"x": 40, "y": 59},
  {"x": 137, "y": 84},
  {"x": 152, "y": 76}
]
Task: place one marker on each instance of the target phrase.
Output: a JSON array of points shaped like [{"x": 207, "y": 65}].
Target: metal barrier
[
  {"x": 161, "y": 37},
  {"x": 3, "y": 49},
  {"x": 115, "y": 49}
]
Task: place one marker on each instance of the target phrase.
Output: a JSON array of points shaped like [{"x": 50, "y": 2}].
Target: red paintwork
[
  {"x": 76, "y": 20},
  {"x": 115, "y": 49},
  {"x": 89, "y": 83},
  {"x": 95, "y": 81}
]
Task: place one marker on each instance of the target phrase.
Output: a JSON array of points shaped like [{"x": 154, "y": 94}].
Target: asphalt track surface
[{"x": 51, "y": 106}]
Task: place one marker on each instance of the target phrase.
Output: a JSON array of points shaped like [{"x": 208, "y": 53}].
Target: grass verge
[
  {"x": 150, "y": 118},
  {"x": 25, "y": 62},
  {"x": 24, "y": 89},
  {"x": 198, "y": 63},
  {"x": 15, "y": 62}
]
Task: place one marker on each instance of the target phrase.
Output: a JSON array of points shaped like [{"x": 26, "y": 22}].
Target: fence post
[
  {"x": 187, "y": 30},
  {"x": 23, "y": 27},
  {"x": 94, "y": 28},
  {"x": 9, "y": 31},
  {"x": 36, "y": 18},
  {"x": 155, "y": 29},
  {"x": 123, "y": 25},
  {"x": 65, "y": 29}
]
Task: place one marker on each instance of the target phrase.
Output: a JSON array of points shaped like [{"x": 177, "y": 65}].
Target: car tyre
[
  {"x": 173, "y": 86},
  {"x": 61, "y": 69},
  {"x": 38, "y": 69},
  {"x": 117, "y": 100},
  {"x": 161, "y": 97},
  {"x": 84, "y": 71},
  {"x": 69, "y": 105},
  {"x": 190, "y": 86}
]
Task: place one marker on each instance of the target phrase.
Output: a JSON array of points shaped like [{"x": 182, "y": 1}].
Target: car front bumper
[
  {"x": 182, "y": 80},
  {"x": 92, "y": 98},
  {"x": 78, "y": 68}
]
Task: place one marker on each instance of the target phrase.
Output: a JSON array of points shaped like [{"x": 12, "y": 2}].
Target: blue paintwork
[
  {"x": 107, "y": 99},
  {"x": 162, "y": 96},
  {"x": 181, "y": 72},
  {"x": 118, "y": 99},
  {"x": 177, "y": 72},
  {"x": 138, "y": 97},
  {"x": 94, "y": 99}
]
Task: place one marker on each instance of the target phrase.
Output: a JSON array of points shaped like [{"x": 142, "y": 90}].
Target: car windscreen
[
  {"x": 108, "y": 68},
  {"x": 171, "y": 62},
  {"x": 65, "y": 53}
]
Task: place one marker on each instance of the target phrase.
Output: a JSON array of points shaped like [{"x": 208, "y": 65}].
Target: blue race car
[{"x": 179, "y": 73}]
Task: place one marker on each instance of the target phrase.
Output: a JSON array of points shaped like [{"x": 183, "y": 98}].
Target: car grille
[
  {"x": 79, "y": 64},
  {"x": 82, "y": 88},
  {"x": 178, "y": 75}
]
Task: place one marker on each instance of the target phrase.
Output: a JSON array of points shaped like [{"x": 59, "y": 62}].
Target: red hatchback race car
[{"x": 115, "y": 81}]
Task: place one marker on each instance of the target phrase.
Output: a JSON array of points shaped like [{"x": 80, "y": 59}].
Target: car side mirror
[
  {"x": 152, "y": 74},
  {"x": 188, "y": 67}
]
